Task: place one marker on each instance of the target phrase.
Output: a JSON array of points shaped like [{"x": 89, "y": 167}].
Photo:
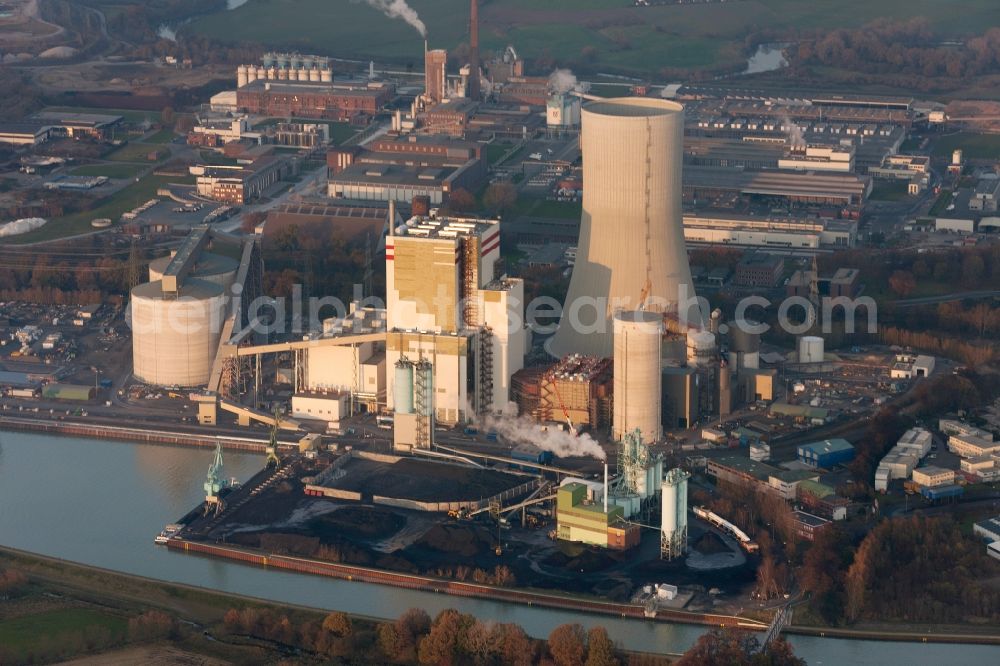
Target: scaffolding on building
[
  {"x": 485, "y": 370},
  {"x": 423, "y": 402}
]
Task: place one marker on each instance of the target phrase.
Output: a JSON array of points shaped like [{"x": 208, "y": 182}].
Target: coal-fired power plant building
[{"x": 631, "y": 252}]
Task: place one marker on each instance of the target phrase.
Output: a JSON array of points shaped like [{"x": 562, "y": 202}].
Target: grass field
[
  {"x": 626, "y": 38},
  {"x": 163, "y": 136},
  {"x": 976, "y": 146},
  {"x": 32, "y": 632},
  {"x": 129, "y": 115},
  {"x": 109, "y": 170},
  {"x": 890, "y": 190},
  {"x": 535, "y": 207},
  {"x": 79, "y": 223},
  {"x": 137, "y": 152}
]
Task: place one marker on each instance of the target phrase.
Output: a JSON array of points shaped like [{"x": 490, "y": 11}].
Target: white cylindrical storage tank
[
  {"x": 241, "y": 76},
  {"x": 402, "y": 388},
  {"x": 700, "y": 348},
  {"x": 251, "y": 74},
  {"x": 175, "y": 340},
  {"x": 631, "y": 232},
  {"x": 303, "y": 74},
  {"x": 668, "y": 512},
  {"x": 682, "y": 502},
  {"x": 326, "y": 76},
  {"x": 314, "y": 75},
  {"x": 283, "y": 74},
  {"x": 956, "y": 156},
  {"x": 262, "y": 73},
  {"x": 810, "y": 349},
  {"x": 638, "y": 337}
]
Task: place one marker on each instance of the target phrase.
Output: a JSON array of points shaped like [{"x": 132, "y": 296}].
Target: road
[{"x": 947, "y": 298}]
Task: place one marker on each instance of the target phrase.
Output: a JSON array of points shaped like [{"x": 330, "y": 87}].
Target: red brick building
[{"x": 331, "y": 101}]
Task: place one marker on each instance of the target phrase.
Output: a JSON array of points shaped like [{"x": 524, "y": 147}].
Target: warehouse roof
[
  {"x": 68, "y": 392},
  {"x": 827, "y": 446},
  {"x": 744, "y": 464}
]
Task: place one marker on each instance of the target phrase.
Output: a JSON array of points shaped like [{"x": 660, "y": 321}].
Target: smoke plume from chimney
[
  {"x": 398, "y": 9},
  {"x": 562, "y": 81}
]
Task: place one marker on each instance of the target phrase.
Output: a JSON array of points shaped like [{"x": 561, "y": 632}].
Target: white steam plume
[
  {"x": 550, "y": 438},
  {"x": 398, "y": 9},
  {"x": 562, "y": 81},
  {"x": 795, "y": 136}
]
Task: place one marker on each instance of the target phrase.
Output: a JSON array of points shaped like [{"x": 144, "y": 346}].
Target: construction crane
[
  {"x": 562, "y": 406},
  {"x": 214, "y": 483},
  {"x": 644, "y": 294},
  {"x": 272, "y": 445}
]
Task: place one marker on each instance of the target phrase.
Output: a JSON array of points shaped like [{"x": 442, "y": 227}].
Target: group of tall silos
[
  {"x": 631, "y": 269},
  {"x": 286, "y": 67},
  {"x": 175, "y": 336}
]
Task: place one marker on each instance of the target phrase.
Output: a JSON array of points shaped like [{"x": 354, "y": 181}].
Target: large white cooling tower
[{"x": 631, "y": 252}]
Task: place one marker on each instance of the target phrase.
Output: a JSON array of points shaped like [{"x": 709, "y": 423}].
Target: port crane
[
  {"x": 214, "y": 484},
  {"x": 272, "y": 445}
]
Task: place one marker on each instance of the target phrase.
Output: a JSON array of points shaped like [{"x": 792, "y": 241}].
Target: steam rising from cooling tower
[
  {"x": 560, "y": 443},
  {"x": 398, "y": 9},
  {"x": 631, "y": 252},
  {"x": 562, "y": 81}
]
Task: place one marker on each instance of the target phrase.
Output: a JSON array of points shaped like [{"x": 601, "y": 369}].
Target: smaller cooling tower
[{"x": 638, "y": 337}]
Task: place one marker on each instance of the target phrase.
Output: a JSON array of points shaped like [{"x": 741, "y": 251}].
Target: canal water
[
  {"x": 101, "y": 502},
  {"x": 767, "y": 58}
]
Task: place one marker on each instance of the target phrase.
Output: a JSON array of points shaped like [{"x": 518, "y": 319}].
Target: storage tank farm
[
  {"x": 674, "y": 532},
  {"x": 631, "y": 252}
]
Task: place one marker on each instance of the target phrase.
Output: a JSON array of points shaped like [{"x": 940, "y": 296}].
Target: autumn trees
[
  {"x": 900, "y": 48},
  {"x": 920, "y": 569},
  {"x": 734, "y": 647}
]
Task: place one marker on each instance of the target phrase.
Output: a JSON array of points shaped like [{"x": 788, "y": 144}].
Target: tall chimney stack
[{"x": 474, "y": 92}]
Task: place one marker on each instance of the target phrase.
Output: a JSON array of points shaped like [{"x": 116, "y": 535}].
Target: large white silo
[
  {"x": 403, "y": 387},
  {"x": 242, "y": 76},
  {"x": 638, "y": 337},
  {"x": 673, "y": 535},
  {"x": 810, "y": 349},
  {"x": 174, "y": 340},
  {"x": 631, "y": 252}
]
